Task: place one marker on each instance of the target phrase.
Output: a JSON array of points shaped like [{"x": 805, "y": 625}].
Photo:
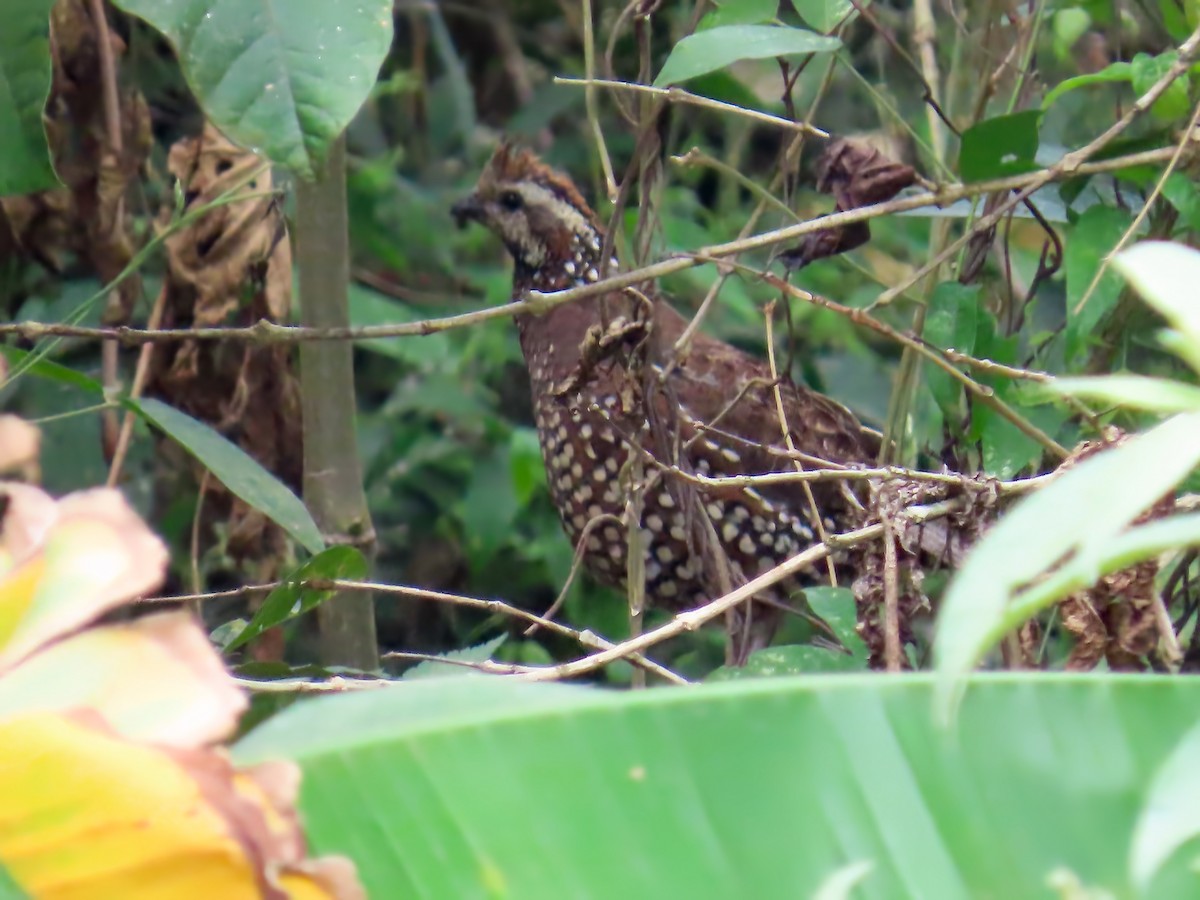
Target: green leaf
[
  {"x": 1165, "y": 276},
  {"x": 1114, "y": 72},
  {"x": 836, "y": 607},
  {"x": 1145, "y": 70},
  {"x": 789, "y": 659},
  {"x": 281, "y": 77},
  {"x": 951, "y": 323},
  {"x": 824, "y": 15},
  {"x": 1181, "y": 193},
  {"x": 1091, "y": 241},
  {"x": 739, "y": 12},
  {"x": 370, "y": 307},
  {"x": 292, "y": 599},
  {"x": 489, "y": 506},
  {"x": 754, "y": 788},
  {"x": 237, "y": 470},
  {"x": 1126, "y": 549},
  {"x": 24, "y": 86},
  {"x": 1078, "y": 513},
  {"x": 477, "y": 654},
  {"x": 1138, "y": 391},
  {"x": 707, "y": 51},
  {"x": 1000, "y": 146},
  {"x": 1171, "y": 814},
  {"x": 525, "y": 464}
]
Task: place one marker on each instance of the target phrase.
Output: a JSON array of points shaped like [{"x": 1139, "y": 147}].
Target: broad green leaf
[
  {"x": 237, "y": 470},
  {"x": 281, "y": 77},
  {"x": 707, "y": 51},
  {"x": 836, "y": 607},
  {"x": 1181, "y": 193},
  {"x": 1000, "y": 146},
  {"x": 790, "y": 659},
  {"x": 1079, "y": 512},
  {"x": 951, "y": 323},
  {"x": 24, "y": 86},
  {"x": 1126, "y": 549},
  {"x": 739, "y": 12},
  {"x": 1165, "y": 276},
  {"x": 1145, "y": 70},
  {"x": 755, "y": 788},
  {"x": 1137, "y": 391},
  {"x": 1114, "y": 72},
  {"x": 479, "y": 653},
  {"x": 1089, "y": 244},
  {"x": 294, "y": 599},
  {"x": 824, "y": 15},
  {"x": 1171, "y": 814}
]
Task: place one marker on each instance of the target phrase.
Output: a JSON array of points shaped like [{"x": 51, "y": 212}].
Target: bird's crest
[{"x": 513, "y": 163}]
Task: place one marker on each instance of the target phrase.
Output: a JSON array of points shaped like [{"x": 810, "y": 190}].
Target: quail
[{"x": 632, "y": 429}]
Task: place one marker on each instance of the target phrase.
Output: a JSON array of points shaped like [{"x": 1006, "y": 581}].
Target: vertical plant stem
[
  {"x": 333, "y": 487},
  {"x": 895, "y": 434}
]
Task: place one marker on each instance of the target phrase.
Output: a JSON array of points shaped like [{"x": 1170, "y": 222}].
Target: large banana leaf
[{"x": 474, "y": 787}]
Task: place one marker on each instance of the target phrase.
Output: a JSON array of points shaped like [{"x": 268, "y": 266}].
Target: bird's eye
[{"x": 511, "y": 200}]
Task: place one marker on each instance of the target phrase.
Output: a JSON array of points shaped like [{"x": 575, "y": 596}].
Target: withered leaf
[
  {"x": 856, "y": 174},
  {"x": 66, "y": 563}
]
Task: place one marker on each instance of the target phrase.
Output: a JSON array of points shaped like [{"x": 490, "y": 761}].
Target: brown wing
[{"x": 732, "y": 394}]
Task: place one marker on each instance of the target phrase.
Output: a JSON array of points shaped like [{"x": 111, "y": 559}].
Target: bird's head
[{"x": 538, "y": 213}]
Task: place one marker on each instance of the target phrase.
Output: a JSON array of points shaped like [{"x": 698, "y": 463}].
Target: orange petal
[{"x": 89, "y": 815}]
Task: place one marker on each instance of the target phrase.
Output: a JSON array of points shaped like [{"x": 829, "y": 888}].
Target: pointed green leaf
[
  {"x": 708, "y": 51},
  {"x": 24, "y": 86},
  {"x": 294, "y": 599},
  {"x": 1137, "y": 391},
  {"x": 1079, "y": 512},
  {"x": 237, "y": 470},
  {"x": 1165, "y": 275}
]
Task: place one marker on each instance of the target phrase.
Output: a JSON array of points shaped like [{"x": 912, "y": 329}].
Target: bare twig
[
  {"x": 693, "y": 619},
  {"x": 495, "y": 607},
  {"x": 141, "y": 373},
  {"x": 265, "y": 332},
  {"x": 893, "y": 654},
  {"x": 678, "y": 95}
]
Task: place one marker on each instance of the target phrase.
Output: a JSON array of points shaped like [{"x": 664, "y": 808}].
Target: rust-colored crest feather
[{"x": 511, "y": 162}]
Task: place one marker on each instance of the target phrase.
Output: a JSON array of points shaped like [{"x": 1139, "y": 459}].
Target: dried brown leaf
[
  {"x": 856, "y": 174},
  {"x": 69, "y": 562}
]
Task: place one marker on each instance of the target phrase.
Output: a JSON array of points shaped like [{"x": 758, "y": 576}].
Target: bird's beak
[{"x": 466, "y": 210}]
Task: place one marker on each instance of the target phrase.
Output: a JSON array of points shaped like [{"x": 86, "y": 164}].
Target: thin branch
[
  {"x": 495, "y": 607},
  {"x": 538, "y": 302},
  {"x": 678, "y": 95},
  {"x": 140, "y": 374},
  {"x": 893, "y": 652},
  {"x": 693, "y": 619},
  {"x": 1172, "y": 163}
]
